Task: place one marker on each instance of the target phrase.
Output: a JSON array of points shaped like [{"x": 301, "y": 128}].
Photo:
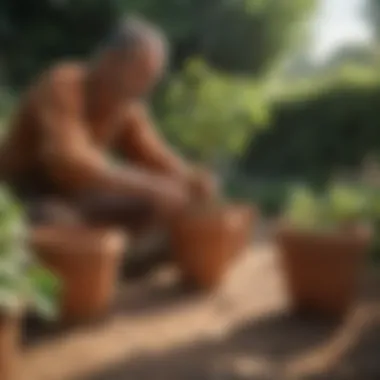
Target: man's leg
[
  {"x": 56, "y": 226},
  {"x": 148, "y": 232},
  {"x": 134, "y": 216},
  {"x": 148, "y": 246}
]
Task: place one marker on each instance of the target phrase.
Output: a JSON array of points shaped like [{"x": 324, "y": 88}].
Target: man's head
[{"x": 134, "y": 57}]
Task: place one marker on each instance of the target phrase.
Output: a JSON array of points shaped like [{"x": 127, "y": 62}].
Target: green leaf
[
  {"x": 22, "y": 280},
  {"x": 45, "y": 289}
]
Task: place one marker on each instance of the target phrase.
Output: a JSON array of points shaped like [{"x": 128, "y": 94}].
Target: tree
[
  {"x": 357, "y": 54},
  {"x": 300, "y": 66},
  {"x": 372, "y": 13},
  {"x": 211, "y": 115},
  {"x": 233, "y": 35},
  {"x": 34, "y": 34}
]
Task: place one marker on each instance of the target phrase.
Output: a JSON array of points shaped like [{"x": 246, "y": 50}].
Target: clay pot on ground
[
  {"x": 322, "y": 269},
  {"x": 87, "y": 263},
  {"x": 206, "y": 239},
  {"x": 10, "y": 329}
]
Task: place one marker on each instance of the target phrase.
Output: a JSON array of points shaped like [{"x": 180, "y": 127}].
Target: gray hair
[{"x": 131, "y": 33}]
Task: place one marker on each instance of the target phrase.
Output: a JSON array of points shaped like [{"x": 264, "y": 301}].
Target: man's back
[
  {"x": 22, "y": 153},
  {"x": 55, "y": 150}
]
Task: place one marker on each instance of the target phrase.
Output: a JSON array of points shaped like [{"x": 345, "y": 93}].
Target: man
[{"x": 55, "y": 155}]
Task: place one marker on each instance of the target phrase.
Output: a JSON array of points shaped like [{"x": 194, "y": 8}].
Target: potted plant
[
  {"x": 23, "y": 282},
  {"x": 206, "y": 238},
  {"x": 323, "y": 243}
]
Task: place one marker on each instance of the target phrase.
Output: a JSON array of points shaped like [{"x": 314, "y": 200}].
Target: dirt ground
[{"x": 245, "y": 331}]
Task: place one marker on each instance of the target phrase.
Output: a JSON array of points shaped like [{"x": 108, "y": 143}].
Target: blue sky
[{"x": 338, "y": 22}]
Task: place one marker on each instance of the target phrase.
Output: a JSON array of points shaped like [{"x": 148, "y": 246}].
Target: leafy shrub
[
  {"x": 340, "y": 204},
  {"x": 209, "y": 114},
  {"x": 269, "y": 196},
  {"x": 348, "y": 204},
  {"x": 314, "y": 133},
  {"x": 23, "y": 282}
]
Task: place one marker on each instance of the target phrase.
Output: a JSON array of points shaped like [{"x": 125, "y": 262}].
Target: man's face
[{"x": 136, "y": 74}]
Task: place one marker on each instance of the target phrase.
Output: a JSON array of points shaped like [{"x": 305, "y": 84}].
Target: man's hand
[
  {"x": 203, "y": 185},
  {"x": 170, "y": 196}
]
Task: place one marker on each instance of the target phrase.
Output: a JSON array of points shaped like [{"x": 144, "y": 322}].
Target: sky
[{"x": 337, "y": 23}]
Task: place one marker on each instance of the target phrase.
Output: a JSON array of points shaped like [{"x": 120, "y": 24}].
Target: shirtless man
[{"x": 55, "y": 157}]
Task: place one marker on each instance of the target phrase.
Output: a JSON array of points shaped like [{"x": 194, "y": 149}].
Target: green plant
[
  {"x": 318, "y": 129},
  {"x": 23, "y": 282},
  {"x": 338, "y": 205},
  {"x": 269, "y": 196},
  {"x": 212, "y": 114},
  {"x": 348, "y": 203},
  {"x": 303, "y": 208}
]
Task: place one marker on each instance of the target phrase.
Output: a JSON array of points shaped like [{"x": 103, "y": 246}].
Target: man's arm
[
  {"x": 143, "y": 145},
  {"x": 75, "y": 163},
  {"x": 141, "y": 142}
]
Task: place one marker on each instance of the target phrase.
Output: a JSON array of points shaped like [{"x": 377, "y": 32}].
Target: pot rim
[{"x": 214, "y": 208}]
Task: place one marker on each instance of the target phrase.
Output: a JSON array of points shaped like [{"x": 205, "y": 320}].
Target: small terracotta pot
[
  {"x": 87, "y": 262},
  {"x": 322, "y": 269},
  {"x": 204, "y": 240},
  {"x": 10, "y": 332}
]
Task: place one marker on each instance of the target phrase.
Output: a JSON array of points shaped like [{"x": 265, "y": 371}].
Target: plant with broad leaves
[
  {"x": 348, "y": 204},
  {"x": 338, "y": 206},
  {"x": 212, "y": 114},
  {"x": 303, "y": 209},
  {"x": 23, "y": 281}
]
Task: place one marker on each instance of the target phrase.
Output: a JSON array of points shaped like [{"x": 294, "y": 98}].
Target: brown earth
[{"x": 245, "y": 331}]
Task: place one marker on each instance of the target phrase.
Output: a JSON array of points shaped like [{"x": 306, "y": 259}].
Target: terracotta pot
[
  {"x": 322, "y": 269},
  {"x": 10, "y": 329},
  {"x": 204, "y": 240},
  {"x": 87, "y": 262}
]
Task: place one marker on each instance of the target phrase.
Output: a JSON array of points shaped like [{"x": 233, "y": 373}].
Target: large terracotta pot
[
  {"x": 205, "y": 239},
  {"x": 87, "y": 262},
  {"x": 322, "y": 269},
  {"x": 10, "y": 329}
]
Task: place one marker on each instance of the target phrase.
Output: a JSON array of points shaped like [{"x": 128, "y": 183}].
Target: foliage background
[{"x": 228, "y": 99}]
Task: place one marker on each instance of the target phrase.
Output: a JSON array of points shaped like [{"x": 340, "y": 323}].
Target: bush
[
  {"x": 211, "y": 115},
  {"x": 23, "y": 282},
  {"x": 338, "y": 205},
  {"x": 316, "y": 131},
  {"x": 269, "y": 196}
]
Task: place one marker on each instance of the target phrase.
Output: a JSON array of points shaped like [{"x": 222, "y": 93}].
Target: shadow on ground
[
  {"x": 265, "y": 350},
  {"x": 257, "y": 350},
  {"x": 147, "y": 295},
  {"x": 360, "y": 361},
  {"x": 153, "y": 294}
]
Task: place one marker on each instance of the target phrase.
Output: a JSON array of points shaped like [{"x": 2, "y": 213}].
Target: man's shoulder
[
  {"x": 62, "y": 85},
  {"x": 65, "y": 72}
]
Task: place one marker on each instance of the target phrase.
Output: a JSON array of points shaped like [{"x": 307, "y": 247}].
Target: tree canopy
[
  {"x": 233, "y": 35},
  {"x": 372, "y": 13}
]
